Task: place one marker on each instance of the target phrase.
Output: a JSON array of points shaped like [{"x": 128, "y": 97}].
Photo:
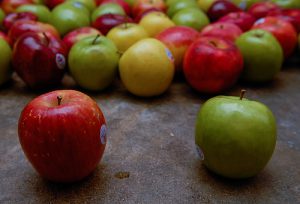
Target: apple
[
  {"x": 74, "y": 36},
  {"x": 287, "y": 3},
  {"x": 224, "y": 30},
  {"x": 242, "y": 19},
  {"x": 263, "y": 56},
  {"x": 126, "y": 34},
  {"x": 63, "y": 135},
  {"x": 126, "y": 7},
  {"x": 235, "y": 137},
  {"x": 52, "y": 3},
  {"x": 282, "y": 30},
  {"x": 191, "y": 17},
  {"x": 93, "y": 62},
  {"x": 69, "y": 16},
  {"x": 141, "y": 6},
  {"x": 177, "y": 39},
  {"x": 89, "y": 4},
  {"x": 5, "y": 37},
  {"x": 5, "y": 61},
  {"x": 245, "y": 4},
  {"x": 156, "y": 22},
  {"x": 108, "y": 8},
  {"x": 204, "y": 5},
  {"x": 179, "y": 5},
  {"x": 147, "y": 68},
  {"x": 23, "y": 26},
  {"x": 2, "y": 16},
  {"x": 261, "y": 9},
  {"x": 9, "y": 6},
  {"x": 39, "y": 60},
  {"x": 212, "y": 65},
  {"x": 11, "y": 18},
  {"x": 290, "y": 15},
  {"x": 41, "y": 11},
  {"x": 107, "y": 21},
  {"x": 221, "y": 8},
  {"x": 138, "y": 18}
]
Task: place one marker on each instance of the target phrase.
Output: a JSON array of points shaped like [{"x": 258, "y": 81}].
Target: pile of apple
[{"x": 212, "y": 42}]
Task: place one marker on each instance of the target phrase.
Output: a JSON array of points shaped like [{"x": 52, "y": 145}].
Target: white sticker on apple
[
  {"x": 200, "y": 153},
  {"x": 60, "y": 61},
  {"x": 169, "y": 55},
  {"x": 103, "y": 134},
  {"x": 260, "y": 21},
  {"x": 77, "y": 4}
]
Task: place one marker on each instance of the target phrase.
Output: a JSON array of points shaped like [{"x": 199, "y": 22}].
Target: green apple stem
[
  {"x": 243, "y": 91},
  {"x": 94, "y": 41},
  {"x": 59, "y": 98}
]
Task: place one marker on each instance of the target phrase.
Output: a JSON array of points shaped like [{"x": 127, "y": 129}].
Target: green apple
[
  {"x": 191, "y": 17},
  {"x": 235, "y": 137},
  {"x": 288, "y": 3},
  {"x": 2, "y": 16},
  {"x": 126, "y": 34},
  {"x": 244, "y": 4},
  {"x": 147, "y": 68},
  {"x": 204, "y": 5},
  {"x": 263, "y": 56},
  {"x": 69, "y": 16},
  {"x": 107, "y": 8},
  {"x": 93, "y": 62},
  {"x": 130, "y": 2},
  {"x": 5, "y": 61},
  {"x": 179, "y": 5},
  {"x": 90, "y": 4},
  {"x": 41, "y": 11}
]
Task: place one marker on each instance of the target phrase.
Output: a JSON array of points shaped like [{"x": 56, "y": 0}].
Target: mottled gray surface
[{"x": 153, "y": 140}]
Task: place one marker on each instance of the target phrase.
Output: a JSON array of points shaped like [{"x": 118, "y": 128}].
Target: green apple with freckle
[
  {"x": 295, "y": 4},
  {"x": 179, "y": 5},
  {"x": 41, "y": 11},
  {"x": 235, "y": 137},
  {"x": 112, "y": 8},
  {"x": 93, "y": 62},
  {"x": 5, "y": 61}
]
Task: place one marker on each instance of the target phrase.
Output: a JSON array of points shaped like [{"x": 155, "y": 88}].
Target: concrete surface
[{"x": 150, "y": 156}]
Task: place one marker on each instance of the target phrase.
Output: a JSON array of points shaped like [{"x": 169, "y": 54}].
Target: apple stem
[
  {"x": 243, "y": 91},
  {"x": 94, "y": 41},
  {"x": 46, "y": 37},
  {"x": 213, "y": 43},
  {"x": 120, "y": 52},
  {"x": 59, "y": 98}
]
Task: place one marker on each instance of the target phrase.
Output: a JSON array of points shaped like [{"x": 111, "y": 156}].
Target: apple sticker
[
  {"x": 169, "y": 54},
  {"x": 103, "y": 134},
  {"x": 60, "y": 61}
]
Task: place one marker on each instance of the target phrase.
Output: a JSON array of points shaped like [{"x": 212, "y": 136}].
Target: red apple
[
  {"x": 212, "y": 65},
  {"x": 53, "y": 3},
  {"x": 22, "y": 26},
  {"x": 107, "y": 21},
  {"x": 284, "y": 32},
  {"x": 241, "y": 19},
  {"x": 10, "y": 6},
  {"x": 63, "y": 135},
  {"x": 11, "y": 18},
  {"x": 261, "y": 9},
  {"x": 5, "y": 37},
  {"x": 122, "y": 3},
  {"x": 141, "y": 15},
  {"x": 221, "y": 8},
  {"x": 39, "y": 60},
  {"x": 177, "y": 39},
  {"x": 141, "y": 6},
  {"x": 290, "y": 15},
  {"x": 74, "y": 36},
  {"x": 224, "y": 30}
]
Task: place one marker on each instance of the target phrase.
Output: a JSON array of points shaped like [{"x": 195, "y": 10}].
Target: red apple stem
[
  {"x": 94, "y": 41},
  {"x": 213, "y": 43},
  {"x": 243, "y": 91},
  {"x": 59, "y": 98}
]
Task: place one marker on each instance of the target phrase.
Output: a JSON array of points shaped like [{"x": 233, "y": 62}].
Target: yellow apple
[
  {"x": 147, "y": 68},
  {"x": 204, "y": 5},
  {"x": 156, "y": 22},
  {"x": 126, "y": 34}
]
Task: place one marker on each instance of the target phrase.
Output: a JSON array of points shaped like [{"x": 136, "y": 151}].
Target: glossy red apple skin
[
  {"x": 212, "y": 65},
  {"x": 74, "y": 36},
  {"x": 63, "y": 142},
  {"x": 11, "y": 18},
  {"x": 52, "y": 3},
  {"x": 241, "y": 19},
  {"x": 141, "y": 6},
  {"x": 221, "y": 8},
  {"x": 290, "y": 15},
  {"x": 10, "y": 6},
  {"x": 284, "y": 32},
  {"x": 107, "y": 21},
  {"x": 261, "y": 9},
  {"x": 39, "y": 60},
  {"x": 177, "y": 39},
  {"x": 122, "y": 3},
  {"x": 224, "y": 30},
  {"x": 23, "y": 26}
]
